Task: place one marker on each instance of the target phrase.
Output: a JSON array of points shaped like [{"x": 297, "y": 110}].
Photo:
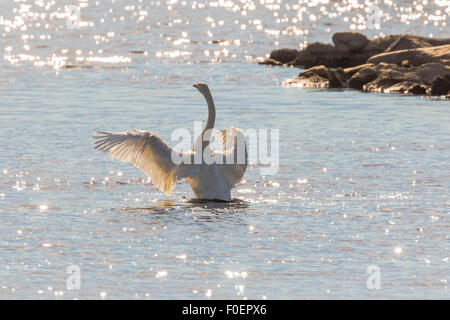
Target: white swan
[{"x": 152, "y": 155}]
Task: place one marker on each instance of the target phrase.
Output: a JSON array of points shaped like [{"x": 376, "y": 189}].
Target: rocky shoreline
[{"x": 405, "y": 64}]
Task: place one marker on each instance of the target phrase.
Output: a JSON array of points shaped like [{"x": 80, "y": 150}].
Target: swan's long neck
[
  {"x": 205, "y": 136},
  {"x": 211, "y": 115}
]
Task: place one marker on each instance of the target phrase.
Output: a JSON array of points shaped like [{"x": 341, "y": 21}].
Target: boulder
[
  {"x": 353, "y": 42},
  {"x": 383, "y": 82},
  {"x": 349, "y": 72},
  {"x": 415, "y": 57},
  {"x": 427, "y": 72},
  {"x": 438, "y": 41},
  {"x": 362, "y": 77},
  {"x": 417, "y": 89},
  {"x": 408, "y": 42},
  {"x": 401, "y": 42},
  {"x": 379, "y": 45},
  {"x": 271, "y": 62},
  {"x": 401, "y": 87},
  {"x": 316, "y": 54},
  {"x": 284, "y": 55},
  {"x": 440, "y": 86},
  {"x": 320, "y": 77},
  {"x": 319, "y": 48},
  {"x": 393, "y": 78},
  {"x": 447, "y": 76},
  {"x": 328, "y": 55}
]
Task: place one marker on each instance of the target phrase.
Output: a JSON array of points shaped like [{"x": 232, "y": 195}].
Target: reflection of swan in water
[
  {"x": 149, "y": 153},
  {"x": 234, "y": 204},
  {"x": 182, "y": 213},
  {"x": 166, "y": 206}
]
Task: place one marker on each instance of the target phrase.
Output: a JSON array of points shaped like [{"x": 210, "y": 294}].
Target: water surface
[{"x": 363, "y": 178}]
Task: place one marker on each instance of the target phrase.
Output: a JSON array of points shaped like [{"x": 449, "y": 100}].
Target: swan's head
[{"x": 202, "y": 87}]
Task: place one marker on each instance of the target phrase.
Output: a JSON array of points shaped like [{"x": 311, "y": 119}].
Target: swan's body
[{"x": 149, "y": 153}]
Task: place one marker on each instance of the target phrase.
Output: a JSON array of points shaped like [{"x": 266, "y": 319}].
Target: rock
[
  {"x": 316, "y": 54},
  {"x": 416, "y": 89},
  {"x": 415, "y": 57},
  {"x": 320, "y": 77},
  {"x": 363, "y": 76},
  {"x": 284, "y": 55},
  {"x": 349, "y": 72},
  {"x": 379, "y": 45},
  {"x": 401, "y": 87},
  {"x": 401, "y": 42},
  {"x": 438, "y": 41},
  {"x": 408, "y": 42},
  {"x": 270, "y": 61},
  {"x": 351, "y": 41},
  {"x": 389, "y": 75},
  {"x": 310, "y": 81},
  {"x": 328, "y": 55},
  {"x": 384, "y": 77},
  {"x": 447, "y": 77},
  {"x": 427, "y": 72},
  {"x": 319, "y": 48},
  {"x": 440, "y": 86},
  {"x": 383, "y": 82}
]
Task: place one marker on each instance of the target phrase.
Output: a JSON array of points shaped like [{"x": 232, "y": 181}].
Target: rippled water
[{"x": 363, "y": 179}]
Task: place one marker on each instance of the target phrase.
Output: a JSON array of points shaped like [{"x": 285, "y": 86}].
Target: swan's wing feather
[
  {"x": 148, "y": 152},
  {"x": 235, "y": 151}
]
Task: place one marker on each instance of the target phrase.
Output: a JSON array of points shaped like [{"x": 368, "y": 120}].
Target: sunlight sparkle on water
[
  {"x": 39, "y": 24},
  {"x": 132, "y": 64},
  {"x": 161, "y": 274}
]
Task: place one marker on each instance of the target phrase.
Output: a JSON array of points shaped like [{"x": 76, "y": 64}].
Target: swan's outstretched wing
[
  {"x": 146, "y": 151},
  {"x": 235, "y": 155}
]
